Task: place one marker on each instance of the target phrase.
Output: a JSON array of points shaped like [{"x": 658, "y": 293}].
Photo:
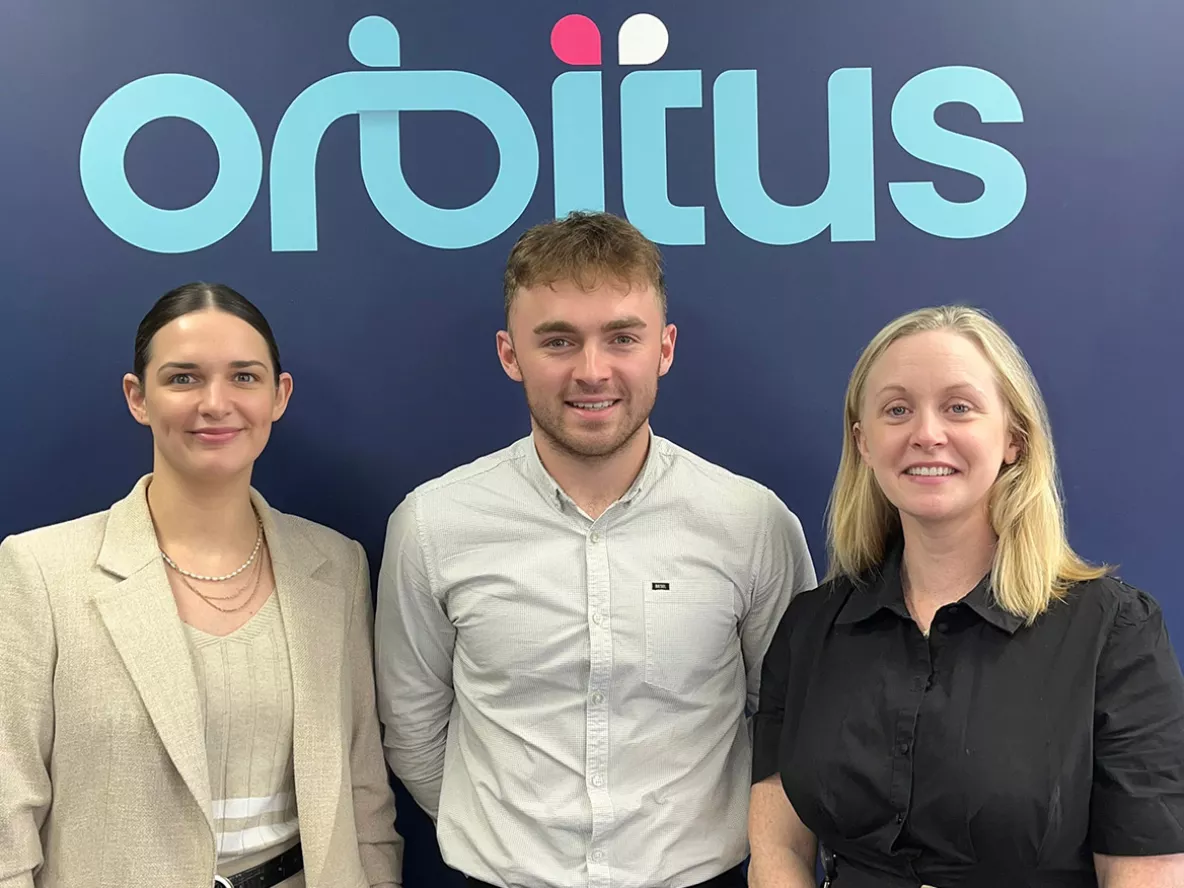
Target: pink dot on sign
[{"x": 575, "y": 40}]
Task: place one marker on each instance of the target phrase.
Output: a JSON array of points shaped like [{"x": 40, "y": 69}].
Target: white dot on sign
[{"x": 642, "y": 40}]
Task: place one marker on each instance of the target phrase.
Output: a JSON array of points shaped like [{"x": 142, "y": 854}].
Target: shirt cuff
[
  {"x": 1126, "y": 826},
  {"x": 766, "y": 747}
]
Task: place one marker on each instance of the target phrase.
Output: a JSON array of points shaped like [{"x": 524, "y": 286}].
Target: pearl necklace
[{"x": 229, "y": 576}]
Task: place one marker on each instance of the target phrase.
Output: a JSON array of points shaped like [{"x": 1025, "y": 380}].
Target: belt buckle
[{"x": 222, "y": 882}]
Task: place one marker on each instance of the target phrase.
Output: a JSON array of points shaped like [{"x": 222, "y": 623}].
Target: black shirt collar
[{"x": 882, "y": 590}]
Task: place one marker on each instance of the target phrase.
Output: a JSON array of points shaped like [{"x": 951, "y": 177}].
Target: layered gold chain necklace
[{"x": 254, "y": 577}]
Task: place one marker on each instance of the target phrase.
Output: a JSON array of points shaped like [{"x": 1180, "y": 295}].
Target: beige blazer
[{"x": 104, "y": 781}]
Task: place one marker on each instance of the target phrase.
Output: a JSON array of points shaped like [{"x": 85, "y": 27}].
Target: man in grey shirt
[{"x": 569, "y": 631}]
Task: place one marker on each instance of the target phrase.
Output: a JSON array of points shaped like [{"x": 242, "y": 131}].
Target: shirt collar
[
  {"x": 882, "y": 590},
  {"x": 878, "y": 590},
  {"x": 981, "y": 600},
  {"x": 541, "y": 479}
]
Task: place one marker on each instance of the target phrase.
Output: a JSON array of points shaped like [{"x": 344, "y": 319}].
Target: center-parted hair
[
  {"x": 586, "y": 249},
  {"x": 199, "y": 296},
  {"x": 1034, "y": 564}
]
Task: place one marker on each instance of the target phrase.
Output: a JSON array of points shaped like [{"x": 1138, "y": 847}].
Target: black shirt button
[
  {"x": 942, "y": 626},
  {"x": 903, "y": 748},
  {"x": 900, "y": 818}
]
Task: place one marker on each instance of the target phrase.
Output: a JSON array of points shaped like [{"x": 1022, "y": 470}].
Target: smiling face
[
  {"x": 589, "y": 361},
  {"x": 934, "y": 429},
  {"x": 210, "y": 395}
]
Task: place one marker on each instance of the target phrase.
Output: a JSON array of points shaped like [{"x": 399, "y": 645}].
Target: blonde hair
[{"x": 1034, "y": 564}]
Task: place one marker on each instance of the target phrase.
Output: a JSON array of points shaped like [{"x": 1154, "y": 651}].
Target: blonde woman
[
  {"x": 964, "y": 701},
  {"x": 186, "y": 694}
]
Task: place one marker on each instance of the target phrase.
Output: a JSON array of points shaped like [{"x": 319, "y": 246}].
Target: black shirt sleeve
[
  {"x": 770, "y": 714},
  {"x": 1137, "y": 803}
]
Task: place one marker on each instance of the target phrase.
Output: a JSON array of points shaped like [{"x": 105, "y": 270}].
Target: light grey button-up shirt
[{"x": 568, "y": 697}]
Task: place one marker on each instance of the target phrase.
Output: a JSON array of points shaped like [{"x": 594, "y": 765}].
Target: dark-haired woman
[{"x": 186, "y": 695}]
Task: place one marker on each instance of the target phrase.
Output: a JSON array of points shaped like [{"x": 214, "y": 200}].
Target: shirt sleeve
[
  {"x": 413, "y": 646},
  {"x": 783, "y": 569},
  {"x": 770, "y": 714},
  {"x": 1137, "y": 804}
]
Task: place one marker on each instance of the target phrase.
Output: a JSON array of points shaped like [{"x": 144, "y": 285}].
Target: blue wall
[{"x": 1069, "y": 233}]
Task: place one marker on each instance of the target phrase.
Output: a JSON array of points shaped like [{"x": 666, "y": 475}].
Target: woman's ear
[{"x": 133, "y": 393}]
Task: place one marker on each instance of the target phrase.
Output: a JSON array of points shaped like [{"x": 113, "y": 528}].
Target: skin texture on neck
[
  {"x": 942, "y": 563},
  {"x": 206, "y": 528}
]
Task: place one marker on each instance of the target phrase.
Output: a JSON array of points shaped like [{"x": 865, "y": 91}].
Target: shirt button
[
  {"x": 900, "y": 818},
  {"x": 598, "y": 618},
  {"x": 598, "y": 856},
  {"x": 942, "y": 626},
  {"x": 903, "y": 749},
  {"x": 598, "y": 698},
  {"x": 597, "y": 780},
  {"x": 595, "y": 538}
]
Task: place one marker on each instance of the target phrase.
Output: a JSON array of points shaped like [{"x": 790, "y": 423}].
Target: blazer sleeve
[
  {"x": 379, "y": 845},
  {"x": 28, "y": 652}
]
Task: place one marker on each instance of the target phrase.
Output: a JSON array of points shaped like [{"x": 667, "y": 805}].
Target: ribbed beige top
[{"x": 245, "y": 688}]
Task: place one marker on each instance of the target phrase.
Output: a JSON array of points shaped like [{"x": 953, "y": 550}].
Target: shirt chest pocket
[{"x": 690, "y": 634}]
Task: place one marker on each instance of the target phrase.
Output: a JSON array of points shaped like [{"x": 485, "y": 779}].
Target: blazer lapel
[
  {"x": 141, "y": 618},
  {"x": 314, "y": 624}
]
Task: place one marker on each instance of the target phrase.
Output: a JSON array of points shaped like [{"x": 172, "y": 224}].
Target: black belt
[
  {"x": 733, "y": 878},
  {"x": 270, "y": 872}
]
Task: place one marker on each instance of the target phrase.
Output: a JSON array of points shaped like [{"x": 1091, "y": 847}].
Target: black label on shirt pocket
[{"x": 665, "y": 586}]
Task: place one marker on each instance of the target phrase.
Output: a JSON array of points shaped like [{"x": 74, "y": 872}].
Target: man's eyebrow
[{"x": 629, "y": 323}]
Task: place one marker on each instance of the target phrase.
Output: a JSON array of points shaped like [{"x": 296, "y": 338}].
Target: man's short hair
[{"x": 586, "y": 249}]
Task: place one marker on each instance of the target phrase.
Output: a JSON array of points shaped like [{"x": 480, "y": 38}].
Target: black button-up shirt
[{"x": 990, "y": 753}]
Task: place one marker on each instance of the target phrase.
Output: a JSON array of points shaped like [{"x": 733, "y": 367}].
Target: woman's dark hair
[{"x": 199, "y": 296}]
